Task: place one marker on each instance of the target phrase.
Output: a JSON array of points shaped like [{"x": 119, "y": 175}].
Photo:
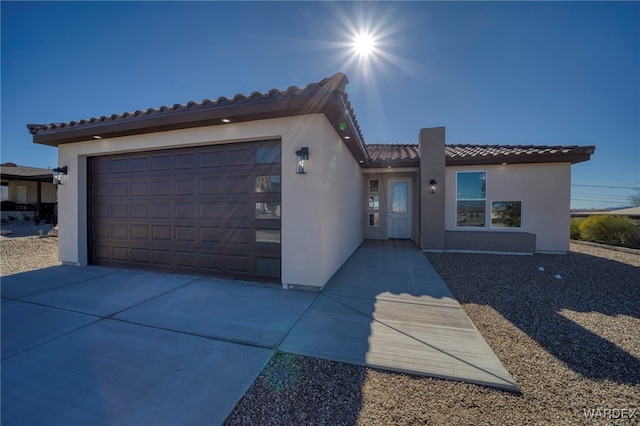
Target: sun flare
[{"x": 364, "y": 44}]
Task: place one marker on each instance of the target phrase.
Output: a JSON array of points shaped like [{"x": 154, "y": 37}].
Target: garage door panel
[
  {"x": 185, "y": 210},
  {"x": 240, "y": 156},
  {"x": 120, "y": 231},
  {"x": 186, "y": 233},
  {"x": 140, "y": 188},
  {"x": 210, "y": 185},
  {"x": 161, "y": 210},
  {"x": 139, "y": 164},
  {"x": 161, "y": 162},
  {"x": 120, "y": 211},
  {"x": 210, "y": 158},
  {"x": 161, "y": 187},
  {"x": 119, "y": 166},
  {"x": 210, "y": 210},
  {"x": 236, "y": 211},
  {"x": 140, "y": 232},
  {"x": 237, "y": 185},
  {"x": 141, "y": 255},
  {"x": 210, "y": 235},
  {"x": 140, "y": 211},
  {"x": 238, "y": 264},
  {"x": 185, "y": 186},
  {"x": 213, "y": 210},
  {"x": 186, "y": 161},
  {"x": 119, "y": 253}
]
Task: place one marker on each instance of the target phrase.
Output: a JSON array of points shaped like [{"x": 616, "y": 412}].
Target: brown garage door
[{"x": 211, "y": 210}]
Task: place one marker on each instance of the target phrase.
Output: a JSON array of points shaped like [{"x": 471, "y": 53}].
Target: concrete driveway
[
  {"x": 97, "y": 345},
  {"x": 93, "y": 345}
]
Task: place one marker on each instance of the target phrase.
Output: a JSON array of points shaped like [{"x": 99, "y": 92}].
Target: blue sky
[{"x": 541, "y": 73}]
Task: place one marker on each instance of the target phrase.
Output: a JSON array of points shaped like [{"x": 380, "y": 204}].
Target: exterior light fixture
[
  {"x": 226, "y": 120},
  {"x": 303, "y": 158},
  {"x": 434, "y": 185},
  {"x": 97, "y": 137},
  {"x": 57, "y": 174}
]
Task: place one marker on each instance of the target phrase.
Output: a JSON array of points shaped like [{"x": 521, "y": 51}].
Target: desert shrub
[
  {"x": 632, "y": 238},
  {"x": 607, "y": 229},
  {"x": 575, "y": 227}
]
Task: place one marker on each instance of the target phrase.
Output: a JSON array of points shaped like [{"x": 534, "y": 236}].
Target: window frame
[
  {"x": 373, "y": 213},
  {"x": 483, "y": 200}
]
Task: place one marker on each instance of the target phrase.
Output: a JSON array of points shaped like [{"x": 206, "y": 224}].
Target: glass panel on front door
[{"x": 400, "y": 197}]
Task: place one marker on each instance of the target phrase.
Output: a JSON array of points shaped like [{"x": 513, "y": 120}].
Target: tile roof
[
  {"x": 11, "y": 170},
  {"x": 383, "y": 155},
  {"x": 398, "y": 155},
  {"x": 493, "y": 154},
  {"x": 327, "y": 96}
]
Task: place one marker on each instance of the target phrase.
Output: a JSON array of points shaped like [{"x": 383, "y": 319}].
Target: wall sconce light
[
  {"x": 434, "y": 185},
  {"x": 303, "y": 157},
  {"x": 57, "y": 174}
]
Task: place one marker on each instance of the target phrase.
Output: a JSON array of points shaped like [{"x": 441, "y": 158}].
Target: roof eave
[
  {"x": 385, "y": 164},
  {"x": 572, "y": 158}
]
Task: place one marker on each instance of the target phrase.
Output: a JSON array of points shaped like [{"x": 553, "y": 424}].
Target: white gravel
[{"x": 572, "y": 344}]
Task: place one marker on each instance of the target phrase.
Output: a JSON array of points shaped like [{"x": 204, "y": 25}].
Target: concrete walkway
[
  {"x": 388, "y": 308},
  {"x": 92, "y": 345}
]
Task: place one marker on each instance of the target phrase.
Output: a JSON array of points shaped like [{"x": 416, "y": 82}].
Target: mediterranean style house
[{"x": 281, "y": 186}]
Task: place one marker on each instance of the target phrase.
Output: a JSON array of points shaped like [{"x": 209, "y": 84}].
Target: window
[
  {"x": 4, "y": 191},
  {"x": 268, "y": 210},
  {"x": 471, "y": 199},
  {"x": 268, "y": 183},
  {"x": 374, "y": 202},
  {"x": 268, "y": 154},
  {"x": 268, "y": 236},
  {"x": 506, "y": 214},
  {"x": 400, "y": 197}
]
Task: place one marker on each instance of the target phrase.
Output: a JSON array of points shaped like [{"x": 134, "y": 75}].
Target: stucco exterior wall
[
  {"x": 312, "y": 245},
  {"x": 47, "y": 194},
  {"x": 544, "y": 190},
  {"x": 342, "y": 226}
]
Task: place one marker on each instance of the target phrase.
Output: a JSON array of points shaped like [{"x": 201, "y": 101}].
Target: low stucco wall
[
  {"x": 545, "y": 193},
  {"x": 488, "y": 241},
  {"x": 320, "y": 226}
]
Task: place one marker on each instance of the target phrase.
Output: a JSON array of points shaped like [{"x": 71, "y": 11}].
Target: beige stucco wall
[
  {"x": 545, "y": 192},
  {"x": 47, "y": 194},
  {"x": 319, "y": 223}
]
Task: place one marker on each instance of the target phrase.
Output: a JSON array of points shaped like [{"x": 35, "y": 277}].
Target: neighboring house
[
  {"x": 630, "y": 212},
  {"x": 214, "y": 188},
  {"x": 27, "y": 192}
]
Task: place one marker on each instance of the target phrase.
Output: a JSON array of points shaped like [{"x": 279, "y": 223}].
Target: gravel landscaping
[
  {"x": 566, "y": 327},
  {"x": 27, "y": 247},
  {"x": 572, "y": 343}
]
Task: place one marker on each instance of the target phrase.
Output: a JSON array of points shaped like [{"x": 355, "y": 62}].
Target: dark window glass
[{"x": 268, "y": 154}]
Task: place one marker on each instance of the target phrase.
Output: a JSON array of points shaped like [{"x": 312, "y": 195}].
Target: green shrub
[
  {"x": 632, "y": 238},
  {"x": 575, "y": 227},
  {"x": 606, "y": 229}
]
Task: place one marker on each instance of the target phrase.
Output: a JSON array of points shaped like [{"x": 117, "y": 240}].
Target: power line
[{"x": 606, "y": 186}]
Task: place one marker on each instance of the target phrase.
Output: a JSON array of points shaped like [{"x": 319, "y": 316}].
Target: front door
[{"x": 399, "y": 208}]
